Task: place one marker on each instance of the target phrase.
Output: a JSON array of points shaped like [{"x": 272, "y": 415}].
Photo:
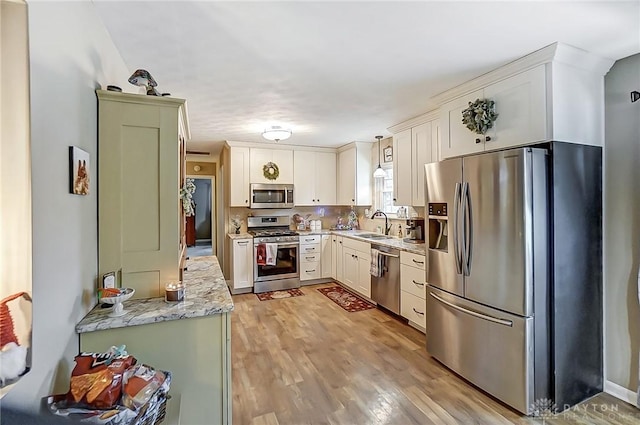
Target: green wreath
[
  {"x": 270, "y": 171},
  {"x": 479, "y": 116}
]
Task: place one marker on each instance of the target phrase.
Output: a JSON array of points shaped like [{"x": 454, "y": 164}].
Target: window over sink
[{"x": 383, "y": 191}]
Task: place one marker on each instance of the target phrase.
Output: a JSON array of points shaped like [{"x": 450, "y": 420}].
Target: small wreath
[
  {"x": 270, "y": 171},
  {"x": 479, "y": 116}
]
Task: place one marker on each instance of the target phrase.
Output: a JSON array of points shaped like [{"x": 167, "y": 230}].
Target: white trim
[
  {"x": 415, "y": 121},
  {"x": 620, "y": 392}
]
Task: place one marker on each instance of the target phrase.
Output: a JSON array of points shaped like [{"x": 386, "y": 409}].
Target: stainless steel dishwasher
[{"x": 385, "y": 290}]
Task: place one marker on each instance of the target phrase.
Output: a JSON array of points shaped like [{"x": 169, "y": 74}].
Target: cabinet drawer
[
  {"x": 357, "y": 245},
  {"x": 310, "y": 271},
  {"x": 412, "y": 280},
  {"x": 307, "y": 239},
  {"x": 309, "y": 249},
  {"x": 309, "y": 258},
  {"x": 413, "y": 308},
  {"x": 413, "y": 260}
]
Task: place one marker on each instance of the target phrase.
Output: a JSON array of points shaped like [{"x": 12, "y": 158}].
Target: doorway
[{"x": 200, "y": 229}]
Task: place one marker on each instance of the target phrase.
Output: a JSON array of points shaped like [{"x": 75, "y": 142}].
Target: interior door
[
  {"x": 442, "y": 180},
  {"x": 499, "y": 200}
]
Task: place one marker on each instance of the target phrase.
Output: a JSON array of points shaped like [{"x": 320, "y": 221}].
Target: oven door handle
[{"x": 280, "y": 245}]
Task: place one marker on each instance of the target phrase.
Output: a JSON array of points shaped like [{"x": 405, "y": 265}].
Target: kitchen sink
[{"x": 373, "y": 236}]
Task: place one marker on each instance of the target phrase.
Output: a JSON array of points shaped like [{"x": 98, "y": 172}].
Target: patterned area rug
[
  {"x": 278, "y": 295},
  {"x": 346, "y": 299}
]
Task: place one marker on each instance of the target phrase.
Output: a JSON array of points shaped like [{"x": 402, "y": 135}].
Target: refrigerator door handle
[
  {"x": 468, "y": 228},
  {"x": 473, "y": 313},
  {"x": 456, "y": 228}
]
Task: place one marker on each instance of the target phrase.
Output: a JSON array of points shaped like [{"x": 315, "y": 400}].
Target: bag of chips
[
  {"x": 140, "y": 382},
  {"x": 96, "y": 380}
]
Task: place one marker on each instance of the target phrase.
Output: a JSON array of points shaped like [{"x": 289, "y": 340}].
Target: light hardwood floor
[{"x": 305, "y": 360}]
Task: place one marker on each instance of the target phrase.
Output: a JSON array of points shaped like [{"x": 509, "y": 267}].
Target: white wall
[
  {"x": 71, "y": 55},
  {"x": 622, "y": 224}
]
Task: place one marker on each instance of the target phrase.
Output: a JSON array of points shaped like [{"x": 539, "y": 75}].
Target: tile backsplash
[{"x": 328, "y": 215}]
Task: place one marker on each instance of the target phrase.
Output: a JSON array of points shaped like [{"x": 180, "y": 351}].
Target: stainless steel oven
[{"x": 273, "y": 234}]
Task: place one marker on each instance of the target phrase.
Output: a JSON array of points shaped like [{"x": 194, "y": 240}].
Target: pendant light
[{"x": 379, "y": 173}]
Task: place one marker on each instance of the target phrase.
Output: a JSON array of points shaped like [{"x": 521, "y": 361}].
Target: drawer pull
[
  {"x": 417, "y": 283},
  {"x": 310, "y": 258},
  {"x": 309, "y": 240},
  {"x": 243, "y": 243},
  {"x": 311, "y": 271},
  {"x": 417, "y": 262},
  {"x": 418, "y": 312},
  {"x": 473, "y": 313}
]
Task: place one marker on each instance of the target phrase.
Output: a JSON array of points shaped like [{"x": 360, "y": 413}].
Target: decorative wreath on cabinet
[
  {"x": 270, "y": 171},
  {"x": 480, "y": 115}
]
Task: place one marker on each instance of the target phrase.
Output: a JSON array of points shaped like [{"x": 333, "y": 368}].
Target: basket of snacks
[{"x": 112, "y": 388}]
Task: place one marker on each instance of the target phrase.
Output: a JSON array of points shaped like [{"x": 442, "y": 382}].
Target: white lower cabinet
[
  {"x": 310, "y": 254},
  {"x": 338, "y": 259},
  {"x": 350, "y": 266},
  {"x": 413, "y": 305},
  {"x": 326, "y": 263},
  {"x": 363, "y": 284},
  {"x": 356, "y": 262},
  {"x": 242, "y": 266}
]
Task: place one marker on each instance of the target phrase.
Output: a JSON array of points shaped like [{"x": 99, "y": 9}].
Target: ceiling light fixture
[
  {"x": 276, "y": 133},
  {"x": 379, "y": 173}
]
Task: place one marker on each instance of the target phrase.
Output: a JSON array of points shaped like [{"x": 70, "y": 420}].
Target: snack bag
[
  {"x": 140, "y": 382},
  {"x": 96, "y": 380}
]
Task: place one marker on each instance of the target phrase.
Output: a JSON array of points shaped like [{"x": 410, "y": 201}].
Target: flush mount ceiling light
[
  {"x": 276, "y": 133},
  {"x": 379, "y": 173}
]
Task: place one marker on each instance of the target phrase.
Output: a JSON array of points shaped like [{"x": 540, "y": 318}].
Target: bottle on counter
[{"x": 399, "y": 230}]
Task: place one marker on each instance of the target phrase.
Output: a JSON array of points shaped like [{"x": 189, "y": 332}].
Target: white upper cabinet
[
  {"x": 402, "y": 170},
  {"x": 283, "y": 158},
  {"x": 415, "y": 143},
  {"x": 239, "y": 181},
  {"x": 314, "y": 178},
  {"x": 553, "y": 94},
  {"x": 354, "y": 174}
]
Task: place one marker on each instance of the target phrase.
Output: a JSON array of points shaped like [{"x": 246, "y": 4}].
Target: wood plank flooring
[{"x": 305, "y": 360}]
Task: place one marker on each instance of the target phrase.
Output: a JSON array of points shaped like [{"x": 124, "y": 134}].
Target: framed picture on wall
[
  {"x": 79, "y": 171},
  {"x": 388, "y": 154}
]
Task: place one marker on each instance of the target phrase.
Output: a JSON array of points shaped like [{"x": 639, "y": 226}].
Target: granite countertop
[
  {"x": 234, "y": 236},
  {"x": 206, "y": 294},
  {"x": 393, "y": 242}
]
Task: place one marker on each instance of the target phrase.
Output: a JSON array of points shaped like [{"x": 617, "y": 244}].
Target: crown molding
[
  {"x": 273, "y": 145},
  {"x": 432, "y": 115},
  {"x": 556, "y": 52},
  {"x": 140, "y": 98}
]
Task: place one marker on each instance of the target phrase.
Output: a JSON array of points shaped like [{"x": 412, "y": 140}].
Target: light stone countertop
[
  {"x": 393, "y": 242},
  {"x": 206, "y": 294},
  {"x": 234, "y": 236}
]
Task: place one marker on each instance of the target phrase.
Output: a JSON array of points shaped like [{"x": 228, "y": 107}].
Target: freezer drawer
[{"x": 490, "y": 348}]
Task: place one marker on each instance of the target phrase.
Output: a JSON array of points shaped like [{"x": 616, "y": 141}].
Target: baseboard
[{"x": 620, "y": 392}]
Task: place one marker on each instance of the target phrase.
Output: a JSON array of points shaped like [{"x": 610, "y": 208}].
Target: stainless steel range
[{"x": 276, "y": 261}]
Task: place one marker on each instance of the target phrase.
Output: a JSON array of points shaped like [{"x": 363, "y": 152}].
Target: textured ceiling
[{"x": 335, "y": 72}]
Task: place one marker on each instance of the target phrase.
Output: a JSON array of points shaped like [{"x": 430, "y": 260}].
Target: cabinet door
[
  {"x": 257, "y": 159},
  {"x": 325, "y": 259},
  {"x": 283, "y": 158},
  {"x": 334, "y": 259},
  {"x": 521, "y": 107},
  {"x": 421, "y": 140},
  {"x": 364, "y": 276},
  {"x": 402, "y": 171},
  {"x": 242, "y": 264},
  {"x": 138, "y": 171},
  {"x": 436, "y": 140},
  {"x": 325, "y": 177},
  {"x": 339, "y": 260},
  {"x": 347, "y": 177},
  {"x": 304, "y": 172},
  {"x": 239, "y": 177},
  {"x": 350, "y": 265},
  {"x": 456, "y": 138}
]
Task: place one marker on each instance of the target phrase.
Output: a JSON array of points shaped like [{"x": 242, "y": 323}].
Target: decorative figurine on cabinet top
[{"x": 142, "y": 78}]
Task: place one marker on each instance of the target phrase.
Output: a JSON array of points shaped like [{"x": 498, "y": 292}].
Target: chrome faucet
[{"x": 387, "y": 227}]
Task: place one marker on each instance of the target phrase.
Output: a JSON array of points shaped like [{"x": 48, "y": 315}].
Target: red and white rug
[
  {"x": 278, "y": 295},
  {"x": 346, "y": 299}
]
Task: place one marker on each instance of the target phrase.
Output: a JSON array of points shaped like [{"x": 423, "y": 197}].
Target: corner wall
[
  {"x": 71, "y": 55},
  {"x": 622, "y": 228}
]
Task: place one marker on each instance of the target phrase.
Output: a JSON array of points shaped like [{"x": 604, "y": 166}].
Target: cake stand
[{"x": 118, "y": 308}]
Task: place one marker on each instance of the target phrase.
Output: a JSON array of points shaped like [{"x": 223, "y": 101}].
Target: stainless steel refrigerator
[{"x": 502, "y": 271}]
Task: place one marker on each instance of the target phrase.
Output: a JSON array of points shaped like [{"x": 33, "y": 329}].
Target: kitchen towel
[
  {"x": 261, "y": 254},
  {"x": 376, "y": 270},
  {"x": 272, "y": 254}
]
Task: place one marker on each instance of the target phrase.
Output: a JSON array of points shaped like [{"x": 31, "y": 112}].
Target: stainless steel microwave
[{"x": 271, "y": 195}]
